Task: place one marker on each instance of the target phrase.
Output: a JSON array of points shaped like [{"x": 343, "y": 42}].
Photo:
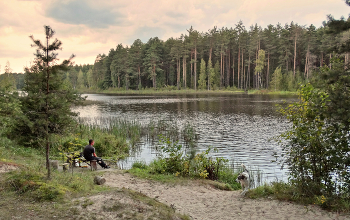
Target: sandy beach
[{"x": 207, "y": 203}]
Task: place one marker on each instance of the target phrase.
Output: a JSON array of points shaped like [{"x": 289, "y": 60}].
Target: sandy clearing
[{"x": 205, "y": 202}]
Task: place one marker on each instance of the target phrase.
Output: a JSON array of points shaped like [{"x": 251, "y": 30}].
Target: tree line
[{"x": 277, "y": 57}]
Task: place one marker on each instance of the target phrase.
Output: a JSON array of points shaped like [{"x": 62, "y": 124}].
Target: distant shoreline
[{"x": 164, "y": 91}]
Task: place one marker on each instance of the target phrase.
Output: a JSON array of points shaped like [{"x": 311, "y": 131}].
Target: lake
[{"x": 240, "y": 126}]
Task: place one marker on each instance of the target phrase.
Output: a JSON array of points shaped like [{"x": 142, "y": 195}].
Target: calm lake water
[{"x": 240, "y": 126}]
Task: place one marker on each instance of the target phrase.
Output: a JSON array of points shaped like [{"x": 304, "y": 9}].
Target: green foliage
[
  {"x": 139, "y": 165},
  {"x": 227, "y": 176},
  {"x": 29, "y": 179},
  {"x": 214, "y": 74},
  {"x": 276, "y": 81},
  {"x": 109, "y": 146},
  {"x": 10, "y": 110},
  {"x": 203, "y": 166},
  {"x": 33, "y": 183},
  {"x": 260, "y": 62},
  {"x": 317, "y": 147},
  {"x": 173, "y": 161},
  {"x": 171, "y": 157},
  {"x": 202, "y": 81},
  {"x": 47, "y": 104},
  {"x": 71, "y": 145},
  {"x": 308, "y": 153},
  {"x": 289, "y": 192}
]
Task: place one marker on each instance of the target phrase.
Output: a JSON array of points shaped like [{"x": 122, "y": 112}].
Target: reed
[{"x": 135, "y": 132}]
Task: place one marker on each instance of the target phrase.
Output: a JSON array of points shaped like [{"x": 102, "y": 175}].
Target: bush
[
  {"x": 175, "y": 162},
  {"x": 71, "y": 145},
  {"x": 108, "y": 146},
  {"x": 33, "y": 184},
  {"x": 317, "y": 146}
]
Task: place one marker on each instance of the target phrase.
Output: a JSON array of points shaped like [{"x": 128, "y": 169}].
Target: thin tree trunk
[
  {"x": 195, "y": 68},
  {"x": 154, "y": 77},
  {"x": 178, "y": 74},
  {"x": 239, "y": 63},
  {"x": 244, "y": 78},
  {"x": 184, "y": 71},
  {"x": 228, "y": 66},
  {"x": 221, "y": 69},
  {"x": 268, "y": 70},
  {"x": 191, "y": 68},
  {"x": 242, "y": 70},
  {"x": 47, "y": 110},
  {"x": 210, "y": 51},
  {"x": 233, "y": 69},
  {"x": 306, "y": 74},
  {"x": 248, "y": 71},
  {"x": 286, "y": 62},
  {"x": 139, "y": 71},
  {"x": 295, "y": 53}
]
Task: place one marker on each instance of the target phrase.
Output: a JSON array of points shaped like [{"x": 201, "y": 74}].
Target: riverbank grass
[
  {"x": 27, "y": 193},
  {"x": 287, "y": 192}
]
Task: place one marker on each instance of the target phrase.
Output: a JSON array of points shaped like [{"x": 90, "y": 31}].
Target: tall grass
[{"x": 134, "y": 131}]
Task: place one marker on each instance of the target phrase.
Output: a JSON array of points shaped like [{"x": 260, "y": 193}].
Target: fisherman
[{"x": 90, "y": 154}]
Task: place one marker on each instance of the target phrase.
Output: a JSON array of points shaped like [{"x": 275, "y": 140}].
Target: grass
[
  {"x": 133, "y": 131},
  {"x": 287, "y": 192},
  {"x": 26, "y": 193},
  {"x": 272, "y": 92}
]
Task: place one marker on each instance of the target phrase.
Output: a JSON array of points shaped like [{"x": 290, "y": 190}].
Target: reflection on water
[{"x": 240, "y": 126}]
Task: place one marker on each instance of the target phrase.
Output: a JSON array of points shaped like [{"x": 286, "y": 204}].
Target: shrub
[
  {"x": 172, "y": 160},
  {"x": 206, "y": 167},
  {"x": 140, "y": 165},
  {"x": 33, "y": 183},
  {"x": 109, "y": 145}
]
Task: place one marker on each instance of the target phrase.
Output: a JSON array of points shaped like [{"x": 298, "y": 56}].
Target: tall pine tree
[{"x": 48, "y": 101}]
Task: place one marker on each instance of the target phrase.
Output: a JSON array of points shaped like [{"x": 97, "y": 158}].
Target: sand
[
  {"x": 205, "y": 202},
  {"x": 200, "y": 201}
]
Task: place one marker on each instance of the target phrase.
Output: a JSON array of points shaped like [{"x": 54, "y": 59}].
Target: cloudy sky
[{"x": 89, "y": 27}]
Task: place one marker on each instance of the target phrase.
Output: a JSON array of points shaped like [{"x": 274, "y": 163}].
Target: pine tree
[
  {"x": 153, "y": 59},
  {"x": 135, "y": 58},
  {"x": 48, "y": 101}
]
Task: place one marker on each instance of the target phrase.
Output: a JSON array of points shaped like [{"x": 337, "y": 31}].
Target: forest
[{"x": 277, "y": 57}]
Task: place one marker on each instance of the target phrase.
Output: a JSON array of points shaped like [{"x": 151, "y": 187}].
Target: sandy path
[{"x": 204, "y": 202}]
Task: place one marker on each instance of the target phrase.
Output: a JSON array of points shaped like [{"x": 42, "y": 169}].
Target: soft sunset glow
[{"x": 88, "y": 28}]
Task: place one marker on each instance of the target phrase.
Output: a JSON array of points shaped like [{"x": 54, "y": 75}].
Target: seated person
[{"x": 89, "y": 154}]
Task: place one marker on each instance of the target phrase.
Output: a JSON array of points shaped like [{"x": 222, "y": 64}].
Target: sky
[{"x": 89, "y": 27}]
